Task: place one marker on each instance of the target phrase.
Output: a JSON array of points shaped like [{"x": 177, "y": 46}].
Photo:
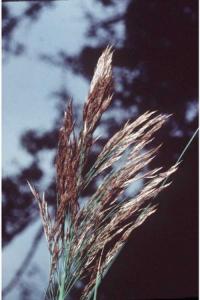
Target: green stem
[
  {"x": 187, "y": 146},
  {"x": 62, "y": 289},
  {"x": 183, "y": 152},
  {"x": 97, "y": 277}
]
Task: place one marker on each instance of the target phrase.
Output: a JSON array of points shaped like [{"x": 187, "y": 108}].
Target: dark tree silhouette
[
  {"x": 10, "y": 23},
  {"x": 156, "y": 68}
]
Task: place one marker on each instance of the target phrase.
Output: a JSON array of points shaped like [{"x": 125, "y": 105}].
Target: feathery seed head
[{"x": 84, "y": 241}]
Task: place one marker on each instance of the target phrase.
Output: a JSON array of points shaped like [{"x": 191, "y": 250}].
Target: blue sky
[
  {"x": 27, "y": 86},
  {"x": 27, "y": 90},
  {"x": 28, "y": 83}
]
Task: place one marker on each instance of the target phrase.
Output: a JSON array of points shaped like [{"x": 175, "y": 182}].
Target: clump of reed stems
[{"x": 83, "y": 242}]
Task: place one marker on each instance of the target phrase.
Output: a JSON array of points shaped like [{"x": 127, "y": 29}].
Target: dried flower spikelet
[
  {"x": 127, "y": 217},
  {"x": 103, "y": 68},
  {"x": 44, "y": 213},
  {"x": 99, "y": 96},
  {"x": 90, "y": 237}
]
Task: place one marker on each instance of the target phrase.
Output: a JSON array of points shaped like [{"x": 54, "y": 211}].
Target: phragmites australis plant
[{"x": 83, "y": 241}]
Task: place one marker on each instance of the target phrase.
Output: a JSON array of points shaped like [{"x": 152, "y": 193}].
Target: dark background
[{"x": 160, "y": 260}]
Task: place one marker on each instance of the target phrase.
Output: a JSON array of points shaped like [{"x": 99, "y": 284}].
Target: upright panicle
[
  {"x": 83, "y": 242},
  {"x": 66, "y": 166},
  {"x": 98, "y": 100},
  {"x": 99, "y": 96}
]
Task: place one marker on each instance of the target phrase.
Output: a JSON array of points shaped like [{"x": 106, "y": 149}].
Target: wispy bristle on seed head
[{"x": 92, "y": 236}]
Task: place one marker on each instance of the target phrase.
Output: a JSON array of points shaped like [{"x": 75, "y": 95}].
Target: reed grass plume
[{"x": 83, "y": 242}]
